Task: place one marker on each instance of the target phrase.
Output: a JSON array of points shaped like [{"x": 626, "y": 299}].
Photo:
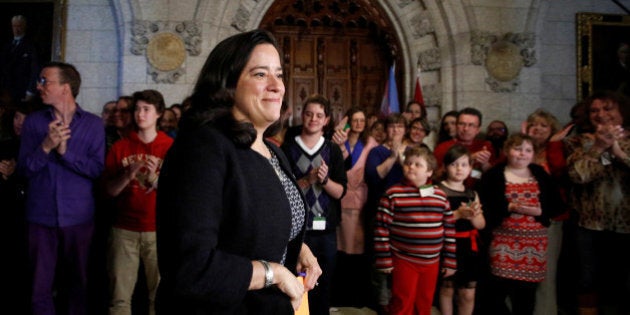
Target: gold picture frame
[{"x": 599, "y": 39}]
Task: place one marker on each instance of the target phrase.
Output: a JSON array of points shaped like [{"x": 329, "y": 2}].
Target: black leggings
[{"x": 522, "y": 296}]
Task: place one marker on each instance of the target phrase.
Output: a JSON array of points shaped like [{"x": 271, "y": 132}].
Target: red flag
[{"x": 417, "y": 96}]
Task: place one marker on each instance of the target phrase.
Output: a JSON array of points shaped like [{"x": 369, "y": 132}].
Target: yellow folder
[{"x": 303, "y": 310}]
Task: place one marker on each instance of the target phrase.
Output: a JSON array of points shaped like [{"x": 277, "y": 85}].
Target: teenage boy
[
  {"x": 131, "y": 173},
  {"x": 318, "y": 165}
]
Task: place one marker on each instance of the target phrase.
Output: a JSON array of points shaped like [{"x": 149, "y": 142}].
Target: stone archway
[{"x": 341, "y": 49}]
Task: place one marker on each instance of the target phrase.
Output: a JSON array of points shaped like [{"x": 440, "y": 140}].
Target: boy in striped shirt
[{"x": 414, "y": 234}]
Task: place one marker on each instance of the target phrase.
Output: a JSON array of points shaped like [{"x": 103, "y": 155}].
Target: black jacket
[
  {"x": 491, "y": 191},
  {"x": 218, "y": 208}
]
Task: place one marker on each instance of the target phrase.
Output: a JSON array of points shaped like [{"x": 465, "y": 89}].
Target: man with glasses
[
  {"x": 468, "y": 127},
  {"x": 61, "y": 155},
  {"x": 123, "y": 123}
]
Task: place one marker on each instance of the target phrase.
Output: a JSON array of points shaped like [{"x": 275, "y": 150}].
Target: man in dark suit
[{"x": 19, "y": 64}]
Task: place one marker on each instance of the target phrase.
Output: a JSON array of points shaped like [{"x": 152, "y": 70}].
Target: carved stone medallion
[
  {"x": 166, "y": 51},
  {"x": 504, "y": 61}
]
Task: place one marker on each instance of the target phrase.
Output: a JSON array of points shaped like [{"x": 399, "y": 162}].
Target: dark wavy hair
[
  {"x": 213, "y": 96},
  {"x": 152, "y": 97},
  {"x": 363, "y": 137},
  {"x": 443, "y": 135},
  {"x": 606, "y": 95}
]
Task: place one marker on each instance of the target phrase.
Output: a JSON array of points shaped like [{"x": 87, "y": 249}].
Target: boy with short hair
[
  {"x": 131, "y": 173},
  {"x": 414, "y": 233},
  {"x": 318, "y": 165}
]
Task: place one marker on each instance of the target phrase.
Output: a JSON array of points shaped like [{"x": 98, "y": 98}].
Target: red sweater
[
  {"x": 135, "y": 205},
  {"x": 415, "y": 228}
]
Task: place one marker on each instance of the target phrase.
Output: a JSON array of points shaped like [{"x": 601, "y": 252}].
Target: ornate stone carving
[
  {"x": 165, "y": 44},
  {"x": 166, "y": 52},
  {"x": 502, "y": 86},
  {"x": 430, "y": 60},
  {"x": 480, "y": 42},
  {"x": 504, "y": 62},
  {"x": 404, "y": 3},
  {"x": 241, "y": 18},
  {"x": 432, "y": 94},
  {"x": 503, "y": 56},
  {"x": 421, "y": 25}
]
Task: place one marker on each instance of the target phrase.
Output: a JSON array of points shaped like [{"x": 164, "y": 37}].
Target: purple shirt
[{"x": 60, "y": 188}]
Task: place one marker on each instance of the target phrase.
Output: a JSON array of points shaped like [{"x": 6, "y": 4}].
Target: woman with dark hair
[
  {"x": 448, "y": 127},
  {"x": 377, "y": 131},
  {"x": 230, "y": 216},
  {"x": 418, "y": 130},
  {"x": 353, "y": 268},
  {"x": 599, "y": 167},
  {"x": 383, "y": 169}
]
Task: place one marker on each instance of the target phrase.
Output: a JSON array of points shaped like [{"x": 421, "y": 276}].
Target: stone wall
[{"x": 449, "y": 41}]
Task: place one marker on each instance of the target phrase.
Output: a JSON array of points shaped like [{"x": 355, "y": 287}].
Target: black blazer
[
  {"x": 218, "y": 208},
  {"x": 491, "y": 191},
  {"x": 20, "y": 68}
]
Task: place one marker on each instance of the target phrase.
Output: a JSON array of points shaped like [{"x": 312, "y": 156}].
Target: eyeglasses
[{"x": 44, "y": 81}]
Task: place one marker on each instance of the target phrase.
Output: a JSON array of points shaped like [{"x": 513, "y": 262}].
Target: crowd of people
[{"x": 218, "y": 206}]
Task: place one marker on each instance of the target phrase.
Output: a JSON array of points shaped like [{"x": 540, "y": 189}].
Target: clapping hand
[
  {"x": 607, "y": 135},
  {"x": 57, "y": 137},
  {"x": 469, "y": 210},
  {"x": 7, "y": 167}
]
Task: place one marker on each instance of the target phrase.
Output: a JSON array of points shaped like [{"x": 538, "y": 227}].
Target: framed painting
[
  {"x": 44, "y": 25},
  {"x": 603, "y": 53}
]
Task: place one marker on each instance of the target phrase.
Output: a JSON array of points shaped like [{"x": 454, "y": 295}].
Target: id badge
[
  {"x": 426, "y": 190},
  {"x": 319, "y": 223},
  {"x": 476, "y": 174}
]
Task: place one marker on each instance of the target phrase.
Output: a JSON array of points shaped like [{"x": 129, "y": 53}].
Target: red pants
[{"x": 413, "y": 286}]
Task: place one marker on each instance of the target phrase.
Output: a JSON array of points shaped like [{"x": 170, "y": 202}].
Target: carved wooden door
[
  {"x": 348, "y": 70},
  {"x": 332, "y": 48}
]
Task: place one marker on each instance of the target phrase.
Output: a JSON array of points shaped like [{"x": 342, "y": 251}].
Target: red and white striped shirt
[{"x": 413, "y": 227}]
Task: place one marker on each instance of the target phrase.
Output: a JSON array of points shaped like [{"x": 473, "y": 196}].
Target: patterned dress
[{"x": 519, "y": 245}]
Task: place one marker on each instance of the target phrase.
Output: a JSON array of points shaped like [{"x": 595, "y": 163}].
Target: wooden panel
[
  {"x": 303, "y": 56},
  {"x": 337, "y": 57},
  {"x": 300, "y": 89},
  {"x": 371, "y": 91},
  {"x": 370, "y": 59},
  {"x": 338, "y": 93},
  {"x": 349, "y": 69},
  {"x": 372, "y": 76}
]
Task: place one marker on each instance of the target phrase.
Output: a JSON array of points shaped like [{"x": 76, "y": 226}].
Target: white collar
[{"x": 313, "y": 150}]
